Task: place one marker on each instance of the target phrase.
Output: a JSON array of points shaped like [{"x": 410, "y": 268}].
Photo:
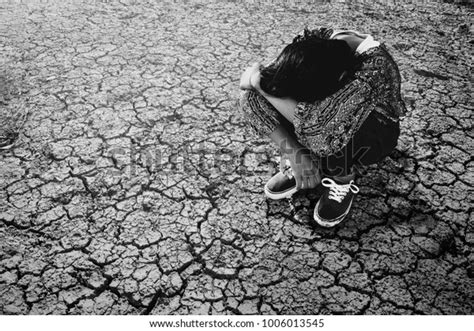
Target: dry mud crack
[{"x": 134, "y": 186}]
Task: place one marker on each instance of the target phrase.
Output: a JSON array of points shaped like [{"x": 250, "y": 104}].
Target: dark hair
[{"x": 309, "y": 68}]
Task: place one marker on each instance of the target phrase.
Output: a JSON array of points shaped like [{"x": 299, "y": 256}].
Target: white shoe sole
[
  {"x": 279, "y": 195},
  {"x": 329, "y": 223}
]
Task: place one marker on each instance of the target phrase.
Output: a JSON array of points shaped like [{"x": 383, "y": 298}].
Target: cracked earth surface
[{"x": 135, "y": 187}]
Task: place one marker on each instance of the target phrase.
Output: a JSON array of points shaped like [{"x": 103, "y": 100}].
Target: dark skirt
[{"x": 375, "y": 139}]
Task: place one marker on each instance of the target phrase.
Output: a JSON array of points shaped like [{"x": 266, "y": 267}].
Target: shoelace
[
  {"x": 337, "y": 191},
  {"x": 287, "y": 171}
]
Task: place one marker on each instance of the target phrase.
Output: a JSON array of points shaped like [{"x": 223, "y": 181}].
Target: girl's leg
[
  {"x": 370, "y": 144},
  {"x": 266, "y": 120}
]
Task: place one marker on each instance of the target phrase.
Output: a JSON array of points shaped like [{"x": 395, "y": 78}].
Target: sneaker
[
  {"x": 335, "y": 203},
  {"x": 280, "y": 186}
]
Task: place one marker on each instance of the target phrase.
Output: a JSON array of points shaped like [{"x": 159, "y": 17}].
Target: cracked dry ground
[{"x": 112, "y": 200}]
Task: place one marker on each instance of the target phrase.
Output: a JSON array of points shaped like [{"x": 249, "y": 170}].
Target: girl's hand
[
  {"x": 251, "y": 74},
  {"x": 255, "y": 80},
  {"x": 305, "y": 169}
]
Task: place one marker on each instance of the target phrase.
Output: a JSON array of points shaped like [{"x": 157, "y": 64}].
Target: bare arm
[
  {"x": 285, "y": 106},
  {"x": 250, "y": 79}
]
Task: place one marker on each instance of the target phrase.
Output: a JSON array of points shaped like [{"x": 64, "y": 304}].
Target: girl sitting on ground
[{"x": 331, "y": 102}]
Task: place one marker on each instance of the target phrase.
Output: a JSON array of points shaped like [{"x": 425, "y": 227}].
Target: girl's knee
[
  {"x": 247, "y": 100},
  {"x": 258, "y": 112}
]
